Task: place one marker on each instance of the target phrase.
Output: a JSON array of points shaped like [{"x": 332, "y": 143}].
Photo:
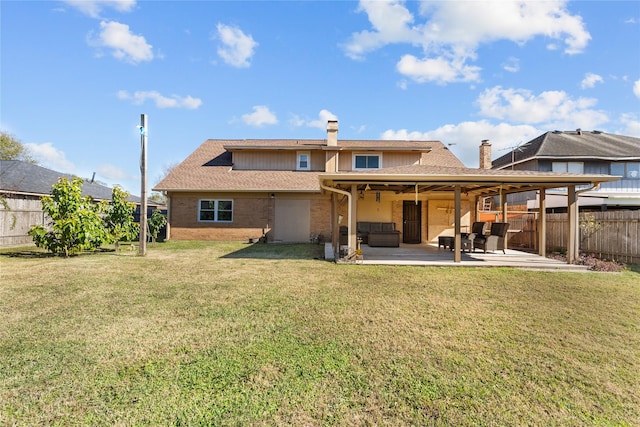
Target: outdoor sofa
[{"x": 378, "y": 233}]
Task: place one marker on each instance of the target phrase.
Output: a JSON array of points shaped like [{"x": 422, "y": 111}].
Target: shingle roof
[
  {"x": 320, "y": 144},
  {"x": 21, "y": 177},
  {"x": 209, "y": 167},
  {"x": 574, "y": 145}
]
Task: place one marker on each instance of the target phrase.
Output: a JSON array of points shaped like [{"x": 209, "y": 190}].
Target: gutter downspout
[
  {"x": 592, "y": 188},
  {"x": 348, "y": 194}
]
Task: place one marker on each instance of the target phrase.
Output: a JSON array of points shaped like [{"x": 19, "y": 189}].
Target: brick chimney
[
  {"x": 331, "y": 164},
  {"x": 332, "y": 133},
  {"x": 485, "y": 154}
]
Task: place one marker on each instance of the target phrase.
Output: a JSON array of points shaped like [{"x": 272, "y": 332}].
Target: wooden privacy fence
[
  {"x": 611, "y": 235},
  {"x": 16, "y": 221},
  {"x": 608, "y": 235}
]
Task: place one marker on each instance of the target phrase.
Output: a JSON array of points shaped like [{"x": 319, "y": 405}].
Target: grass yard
[{"x": 233, "y": 334}]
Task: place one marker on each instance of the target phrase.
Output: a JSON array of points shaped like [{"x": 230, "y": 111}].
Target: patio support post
[
  {"x": 477, "y": 210},
  {"x": 352, "y": 218},
  {"x": 505, "y": 218},
  {"x": 503, "y": 206},
  {"x": 456, "y": 254},
  {"x": 350, "y": 213},
  {"x": 572, "y": 232},
  {"x": 542, "y": 223}
]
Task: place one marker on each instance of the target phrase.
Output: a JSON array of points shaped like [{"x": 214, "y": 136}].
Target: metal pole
[{"x": 143, "y": 185}]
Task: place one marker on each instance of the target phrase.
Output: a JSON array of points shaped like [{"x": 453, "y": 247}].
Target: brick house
[{"x": 293, "y": 190}]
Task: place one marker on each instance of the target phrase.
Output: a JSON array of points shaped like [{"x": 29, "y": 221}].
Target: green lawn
[{"x": 233, "y": 334}]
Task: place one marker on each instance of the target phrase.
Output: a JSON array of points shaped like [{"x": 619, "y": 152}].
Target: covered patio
[{"x": 422, "y": 183}]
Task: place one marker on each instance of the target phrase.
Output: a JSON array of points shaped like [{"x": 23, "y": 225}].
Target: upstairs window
[
  {"x": 630, "y": 170},
  {"x": 570, "y": 167},
  {"x": 366, "y": 161},
  {"x": 303, "y": 162},
  {"x": 215, "y": 211}
]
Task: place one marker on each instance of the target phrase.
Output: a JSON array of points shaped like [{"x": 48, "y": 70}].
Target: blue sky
[{"x": 76, "y": 75}]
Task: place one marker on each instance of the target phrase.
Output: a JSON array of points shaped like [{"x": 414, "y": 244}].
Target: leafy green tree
[
  {"x": 118, "y": 220},
  {"x": 13, "y": 149},
  {"x": 155, "y": 222},
  {"x": 75, "y": 221}
]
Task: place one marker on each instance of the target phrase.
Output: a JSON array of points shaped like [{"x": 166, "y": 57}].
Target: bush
[{"x": 75, "y": 222}]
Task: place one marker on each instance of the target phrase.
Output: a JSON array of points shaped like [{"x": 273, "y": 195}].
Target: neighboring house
[
  {"x": 21, "y": 186},
  {"x": 296, "y": 190},
  {"x": 588, "y": 152}
]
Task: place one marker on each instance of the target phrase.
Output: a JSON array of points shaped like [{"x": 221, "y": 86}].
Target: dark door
[{"x": 411, "y": 223}]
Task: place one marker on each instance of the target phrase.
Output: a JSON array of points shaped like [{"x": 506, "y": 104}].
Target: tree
[
  {"x": 118, "y": 221},
  {"x": 160, "y": 197},
  {"x": 75, "y": 223},
  {"x": 13, "y": 149},
  {"x": 155, "y": 223}
]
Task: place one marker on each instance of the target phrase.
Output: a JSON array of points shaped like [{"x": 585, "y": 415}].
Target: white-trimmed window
[
  {"x": 367, "y": 161},
  {"x": 303, "y": 162},
  {"x": 571, "y": 167},
  {"x": 215, "y": 211}
]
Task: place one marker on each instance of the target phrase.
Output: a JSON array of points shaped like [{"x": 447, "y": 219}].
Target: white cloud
[
  {"x": 261, "y": 116},
  {"x": 237, "y": 48},
  {"x": 636, "y": 88},
  {"x": 93, "y": 8},
  {"x": 553, "y": 109},
  {"x": 440, "y": 70},
  {"x": 321, "y": 123},
  {"x": 451, "y": 32},
  {"x": 590, "y": 80},
  {"x": 463, "y": 139},
  {"x": 111, "y": 172},
  {"x": 390, "y": 21},
  {"x": 631, "y": 125},
  {"x": 125, "y": 45},
  {"x": 51, "y": 157},
  {"x": 512, "y": 65},
  {"x": 161, "y": 101}
]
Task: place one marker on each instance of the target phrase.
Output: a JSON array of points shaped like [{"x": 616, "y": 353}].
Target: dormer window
[
  {"x": 304, "y": 161},
  {"x": 367, "y": 161}
]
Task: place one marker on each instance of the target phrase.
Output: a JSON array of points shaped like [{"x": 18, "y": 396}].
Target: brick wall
[
  {"x": 321, "y": 217},
  {"x": 253, "y": 213}
]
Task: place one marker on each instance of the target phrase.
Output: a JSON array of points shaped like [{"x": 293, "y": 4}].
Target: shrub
[{"x": 75, "y": 222}]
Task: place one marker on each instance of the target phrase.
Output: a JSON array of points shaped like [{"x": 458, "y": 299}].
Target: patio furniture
[
  {"x": 384, "y": 238},
  {"x": 445, "y": 241},
  {"x": 477, "y": 229},
  {"x": 496, "y": 240},
  {"x": 386, "y": 231},
  {"x": 466, "y": 244}
]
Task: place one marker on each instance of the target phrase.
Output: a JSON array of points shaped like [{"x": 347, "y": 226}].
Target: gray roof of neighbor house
[
  {"x": 209, "y": 167},
  {"x": 578, "y": 145},
  {"x": 26, "y": 178}
]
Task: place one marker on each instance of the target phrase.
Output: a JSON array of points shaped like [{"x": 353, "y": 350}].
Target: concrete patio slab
[{"x": 431, "y": 255}]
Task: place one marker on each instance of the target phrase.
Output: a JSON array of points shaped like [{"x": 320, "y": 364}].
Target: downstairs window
[{"x": 215, "y": 211}]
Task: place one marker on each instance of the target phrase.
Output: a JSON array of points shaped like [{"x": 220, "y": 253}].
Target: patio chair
[
  {"x": 477, "y": 230},
  {"x": 496, "y": 240}
]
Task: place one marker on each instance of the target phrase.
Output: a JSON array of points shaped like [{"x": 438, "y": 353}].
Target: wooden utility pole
[{"x": 143, "y": 185}]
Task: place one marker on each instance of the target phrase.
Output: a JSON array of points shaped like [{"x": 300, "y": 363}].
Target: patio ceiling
[{"x": 477, "y": 182}]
